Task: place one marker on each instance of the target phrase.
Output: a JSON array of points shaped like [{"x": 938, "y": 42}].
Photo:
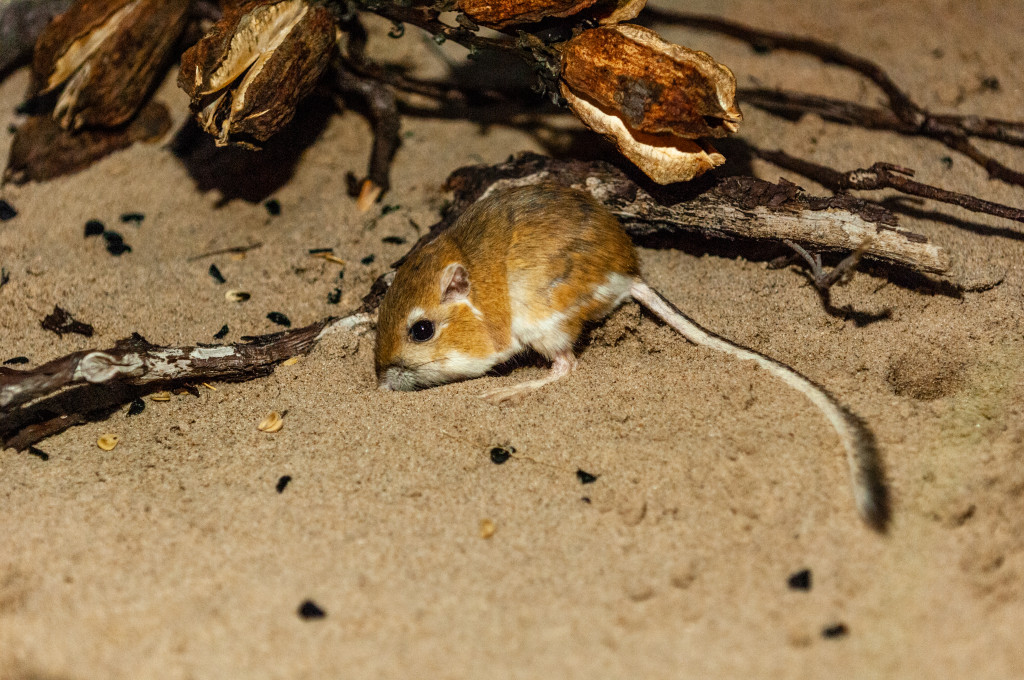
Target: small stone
[
  {"x": 388, "y": 209},
  {"x": 309, "y": 610},
  {"x": 14, "y": 361},
  {"x": 217, "y": 276},
  {"x": 222, "y": 332},
  {"x": 273, "y": 207},
  {"x": 800, "y": 580},
  {"x": 94, "y": 228},
  {"x": 132, "y": 217},
  {"x": 107, "y": 442},
  {"x": 272, "y": 422},
  {"x": 280, "y": 319},
  {"x": 282, "y": 483},
  {"x": 487, "y": 528},
  {"x": 7, "y": 211},
  {"x": 136, "y": 407},
  {"x": 368, "y": 259},
  {"x": 393, "y": 240},
  {"x": 586, "y": 477},
  {"x": 334, "y": 297}
]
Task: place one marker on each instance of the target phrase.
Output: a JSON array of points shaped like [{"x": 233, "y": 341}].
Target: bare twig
[
  {"x": 135, "y": 363},
  {"x": 385, "y": 119},
  {"x": 824, "y": 280},
  {"x": 885, "y": 176}
]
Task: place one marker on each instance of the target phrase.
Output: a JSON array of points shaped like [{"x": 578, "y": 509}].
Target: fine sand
[{"x": 175, "y": 555}]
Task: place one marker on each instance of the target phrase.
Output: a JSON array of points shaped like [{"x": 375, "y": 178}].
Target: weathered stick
[
  {"x": 734, "y": 207},
  {"x": 134, "y": 362}
]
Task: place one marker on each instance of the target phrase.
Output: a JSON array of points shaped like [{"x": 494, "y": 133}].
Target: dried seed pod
[
  {"x": 650, "y": 97},
  {"x": 502, "y": 13},
  {"x": 107, "y": 442},
  {"x": 108, "y": 55},
  {"x": 653, "y": 85},
  {"x": 272, "y": 422},
  {"x": 663, "y": 158},
  {"x": 246, "y": 76}
]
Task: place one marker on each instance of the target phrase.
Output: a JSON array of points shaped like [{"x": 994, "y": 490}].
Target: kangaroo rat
[{"x": 527, "y": 268}]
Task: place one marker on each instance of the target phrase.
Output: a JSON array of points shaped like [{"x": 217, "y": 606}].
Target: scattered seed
[
  {"x": 280, "y": 319},
  {"x": 273, "y": 207},
  {"x": 135, "y": 217},
  {"x": 283, "y": 482},
  {"x": 236, "y": 296},
  {"x": 209, "y": 386},
  {"x": 290, "y": 362},
  {"x": 396, "y": 240},
  {"x": 217, "y": 276},
  {"x": 187, "y": 389},
  {"x": 800, "y": 580},
  {"x": 237, "y": 257},
  {"x": 500, "y": 454},
  {"x": 320, "y": 251},
  {"x": 107, "y": 442},
  {"x": 136, "y": 407},
  {"x": 222, "y": 332},
  {"x": 310, "y": 610},
  {"x": 60, "y": 322},
  {"x": 586, "y": 499},
  {"x": 835, "y": 631},
  {"x": 334, "y": 297},
  {"x": 161, "y": 396},
  {"x": 272, "y": 422},
  {"x": 115, "y": 243},
  {"x": 39, "y": 453},
  {"x": 14, "y": 361},
  {"x": 586, "y": 477},
  {"x": 487, "y": 528},
  {"x": 7, "y": 211},
  {"x": 368, "y": 259},
  {"x": 330, "y": 257},
  {"x": 94, "y": 228}
]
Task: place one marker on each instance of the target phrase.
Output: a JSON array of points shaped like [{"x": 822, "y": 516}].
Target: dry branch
[
  {"x": 733, "y": 207},
  {"x": 136, "y": 363}
]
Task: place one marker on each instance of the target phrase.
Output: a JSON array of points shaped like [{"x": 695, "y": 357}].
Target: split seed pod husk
[
  {"x": 651, "y": 98},
  {"x": 108, "y": 55},
  {"x": 246, "y": 76},
  {"x": 501, "y": 13}
]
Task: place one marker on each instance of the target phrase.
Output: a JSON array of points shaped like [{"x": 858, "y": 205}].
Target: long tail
[{"x": 862, "y": 455}]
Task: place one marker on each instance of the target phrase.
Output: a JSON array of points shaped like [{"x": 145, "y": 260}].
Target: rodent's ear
[{"x": 454, "y": 283}]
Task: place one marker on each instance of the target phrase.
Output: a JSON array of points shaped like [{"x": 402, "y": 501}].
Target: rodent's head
[{"x": 429, "y": 332}]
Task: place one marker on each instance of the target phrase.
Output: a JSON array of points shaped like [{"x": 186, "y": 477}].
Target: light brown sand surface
[{"x": 173, "y": 556}]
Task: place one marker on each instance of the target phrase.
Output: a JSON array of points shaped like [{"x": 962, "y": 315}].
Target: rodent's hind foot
[{"x": 561, "y": 366}]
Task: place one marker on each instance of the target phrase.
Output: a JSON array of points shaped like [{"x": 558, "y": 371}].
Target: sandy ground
[{"x": 175, "y": 556}]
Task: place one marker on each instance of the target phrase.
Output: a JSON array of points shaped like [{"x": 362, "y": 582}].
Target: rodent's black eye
[{"x": 422, "y": 331}]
